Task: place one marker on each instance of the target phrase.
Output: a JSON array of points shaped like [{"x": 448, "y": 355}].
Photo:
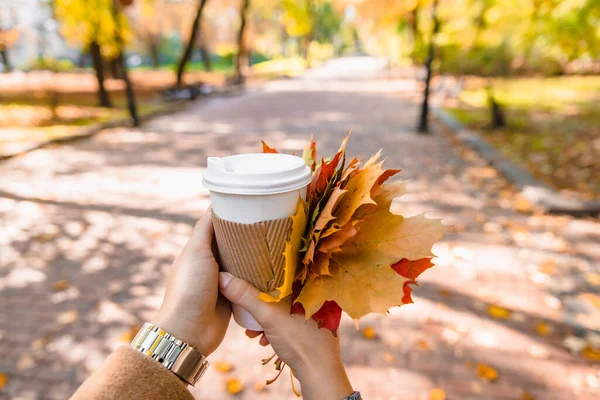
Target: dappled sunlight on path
[{"x": 91, "y": 228}]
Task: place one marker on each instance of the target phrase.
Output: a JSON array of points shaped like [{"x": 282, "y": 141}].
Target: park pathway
[{"x": 89, "y": 230}]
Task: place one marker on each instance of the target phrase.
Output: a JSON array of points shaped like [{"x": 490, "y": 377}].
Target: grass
[
  {"x": 220, "y": 65},
  {"x": 553, "y": 127}
]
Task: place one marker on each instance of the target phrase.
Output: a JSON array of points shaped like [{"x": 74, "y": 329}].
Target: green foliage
[
  {"x": 499, "y": 38},
  {"x": 87, "y": 21},
  {"x": 327, "y": 22},
  {"x": 51, "y": 64}
]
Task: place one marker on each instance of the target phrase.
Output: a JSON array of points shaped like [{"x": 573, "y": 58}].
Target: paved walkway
[{"x": 89, "y": 230}]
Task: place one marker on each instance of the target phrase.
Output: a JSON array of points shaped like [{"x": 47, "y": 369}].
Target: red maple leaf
[
  {"x": 329, "y": 315},
  {"x": 411, "y": 269}
]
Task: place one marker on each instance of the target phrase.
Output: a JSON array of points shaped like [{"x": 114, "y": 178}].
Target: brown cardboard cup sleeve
[{"x": 253, "y": 252}]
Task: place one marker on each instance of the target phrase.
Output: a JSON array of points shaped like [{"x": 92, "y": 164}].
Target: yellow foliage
[
  {"x": 291, "y": 254},
  {"x": 87, "y": 21}
]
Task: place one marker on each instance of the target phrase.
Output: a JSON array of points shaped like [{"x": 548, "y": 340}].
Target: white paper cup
[{"x": 250, "y": 188}]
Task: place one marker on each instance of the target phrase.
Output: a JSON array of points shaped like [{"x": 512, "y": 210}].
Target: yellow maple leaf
[
  {"x": 437, "y": 394},
  {"x": 543, "y": 329},
  {"x": 61, "y": 285},
  {"x": 591, "y": 353},
  {"x": 360, "y": 285},
  {"x": 223, "y": 366},
  {"x": 390, "y": 237},
  {"x": 129, "y": 334},
  {"x": 498, "y": 312},
  {"x": 291, "y": 255},
  {"x": 234, "y": 386},
  {"x": 486, "y": 372},
  {"x": 527, "y": 396},
  {"x": 326, "y": 215},
  {"x": 359, "y": 194},
  {"x": 369, "y": 333}
]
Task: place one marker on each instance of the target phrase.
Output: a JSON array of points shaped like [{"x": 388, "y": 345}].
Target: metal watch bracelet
[{"x": 175, "y": 355}]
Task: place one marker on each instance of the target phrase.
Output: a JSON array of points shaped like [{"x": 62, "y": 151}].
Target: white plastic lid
[{"x": 260, "y": 173}]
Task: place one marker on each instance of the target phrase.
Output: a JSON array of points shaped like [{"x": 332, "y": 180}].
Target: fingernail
[{"x": 224, "y": 279}]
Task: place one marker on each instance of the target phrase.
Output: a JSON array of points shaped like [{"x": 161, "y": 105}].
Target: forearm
[{"x": 127, "y": 374}]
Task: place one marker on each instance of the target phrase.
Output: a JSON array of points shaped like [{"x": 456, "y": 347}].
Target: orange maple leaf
[{"x": 267, "y": 148}]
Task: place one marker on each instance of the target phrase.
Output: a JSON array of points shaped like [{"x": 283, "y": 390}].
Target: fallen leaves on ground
[
  {"x": 388, "y": 358},
  {"x": 548, "y": 266},
  {"x": 591, "y": 353},
  {"x": 369, "y": 333},
  {"x": 424, "y": 345},
  {"x": 129, "y": 334},
  {"x": 234, "y": 386},
  {"x": 26, "y": 361},
  {"x": 527, "y": 396},
  {"x": 498, "y": 312},
  {"x": 61, "y": 285},
  {"x": 223, "y": 366},
  {"x": 543, "y": 329},
  {"x": 67, "y": 317},
  {"x": 486, "y": 372},
  {"x": 437, "y": 394}
]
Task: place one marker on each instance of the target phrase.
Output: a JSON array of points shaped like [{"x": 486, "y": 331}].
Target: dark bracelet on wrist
[{"x": 354, "y": 396}]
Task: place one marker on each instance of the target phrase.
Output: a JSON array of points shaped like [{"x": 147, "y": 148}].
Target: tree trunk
[
  {"x": 114, "y": 68},
  {"x": 5, "y": 60},
  {"x": 306, "y": 50},
  {"x": 153, "y": 51},
  {"x": 131, "y": 104},
  {"x": 241, "y": 58},
  {"x": 81, "y": 59},
  {"x": 190, "y": 43},
  {"x": 205, "y": 54},
  {"x": 423, "y": 120},
  {"x": 496, "y": 111},
  {"x": 414, "y": 27},
  {"x": 98, "y": 64}
]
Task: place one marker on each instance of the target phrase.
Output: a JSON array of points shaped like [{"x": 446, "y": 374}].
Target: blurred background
[{"x": 109, "y": 108}]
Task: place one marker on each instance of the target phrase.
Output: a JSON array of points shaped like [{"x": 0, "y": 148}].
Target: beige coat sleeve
[{"x": 128, "y": 374}]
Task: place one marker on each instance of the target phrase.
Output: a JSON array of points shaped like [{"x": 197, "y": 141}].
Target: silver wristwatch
[{"x": 180, "y": 358}]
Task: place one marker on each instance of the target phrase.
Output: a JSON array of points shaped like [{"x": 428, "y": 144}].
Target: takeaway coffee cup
[{"x": 253, "y": 197}]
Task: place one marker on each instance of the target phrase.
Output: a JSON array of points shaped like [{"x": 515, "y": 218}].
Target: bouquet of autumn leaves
[{"x": 347, "y": 251}]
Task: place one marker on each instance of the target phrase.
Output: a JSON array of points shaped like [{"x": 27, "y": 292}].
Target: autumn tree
[
  {"x": 191, "y": 42},
  {"x": 9, "y": 35},
  {"x": 241, "y": 58},
  {"x": 423, "y": 118},
  {"x": 100, "y": 27},
  {"x": 299, "y": 22}
]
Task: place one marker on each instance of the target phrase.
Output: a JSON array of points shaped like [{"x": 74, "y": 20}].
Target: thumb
[{"x": 243, "y": 294}]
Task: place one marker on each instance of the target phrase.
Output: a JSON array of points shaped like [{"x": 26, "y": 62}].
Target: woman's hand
[
  {"x": 312, "y": 353},
  {"x": 193, "y": 310}
]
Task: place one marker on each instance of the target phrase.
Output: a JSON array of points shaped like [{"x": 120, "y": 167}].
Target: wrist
[
  {"x": 179, "y": 327},
  {"x": 326, "y": 380}
]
